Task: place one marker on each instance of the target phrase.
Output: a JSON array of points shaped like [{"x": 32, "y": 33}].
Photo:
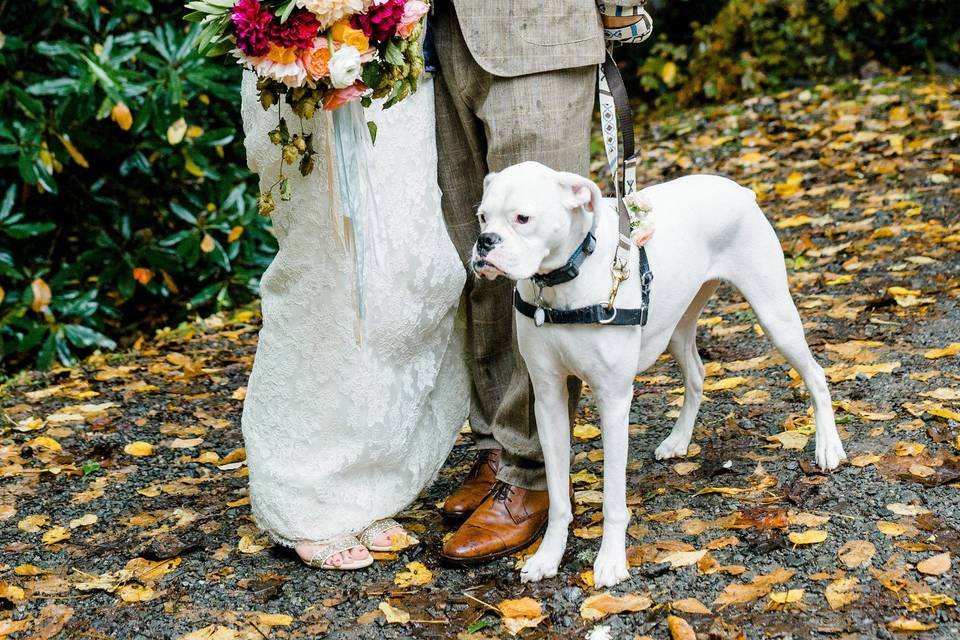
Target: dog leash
[{"x": 617, "y": 123}]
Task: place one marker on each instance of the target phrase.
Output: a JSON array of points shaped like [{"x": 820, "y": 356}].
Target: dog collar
[{"x": 570, "y": 269}]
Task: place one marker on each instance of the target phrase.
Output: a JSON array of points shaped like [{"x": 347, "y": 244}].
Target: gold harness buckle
[{"x": 620, "y": 272}]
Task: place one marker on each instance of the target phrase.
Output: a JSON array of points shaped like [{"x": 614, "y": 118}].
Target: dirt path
[{"x": 123, "y": 504}]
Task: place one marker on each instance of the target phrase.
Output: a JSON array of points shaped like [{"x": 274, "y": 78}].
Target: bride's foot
[
  {"x": 387, "y": 535},
  {"x": 342, "y": 554}
]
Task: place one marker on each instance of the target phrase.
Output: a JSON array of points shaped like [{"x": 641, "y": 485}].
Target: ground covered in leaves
[{"x": 124, "y": 509}]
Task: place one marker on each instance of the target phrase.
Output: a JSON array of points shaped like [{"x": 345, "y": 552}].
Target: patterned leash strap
[
  {"x": 617, "y": 123},
  {"x": 633, "y": 33},
  {"x": 616, "y": 119}
]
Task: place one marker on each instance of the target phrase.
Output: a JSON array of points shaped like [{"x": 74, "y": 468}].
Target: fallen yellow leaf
[
  {"x": 935, "y": 565},
  {"x": 680, "y": 629},
  {"x": 138, "y": 449},
  {"x": 760, "y": 586},
  {"x": 683, "y": 468},
  {"x": 856, "y": 553},
  {"x": 904, "y": 448},
  {"x": 393, "y": 615},
  {"x": 891, "y": 529},
  {"x": 679, "y": 559},
  {"x": 691, "y": 605},
  {"x": 135, "y": 593},
  {"x": 790, "y": 439},
  {"x": 604, "y": 604},
  {"x": 842, "y": 592},
  {"x": 921, "y": 601},
  {"x": 55, "y": 535},
  {"x": 416, "y": 575},
  {"x": 275, "y": 619},
  {"x": 85, "y": 520},
  {"x": 810, "y": 536},
  {"x": 865, "y": 459},
  {"x": 519, "y": 614},
  {"x": 909, "y": 625},
  {"x": 950, "y": 350},
  {"x": 585, "y": 431},
  {"x": 45, "y": 442},
  {"x": 786, "y": 597}
]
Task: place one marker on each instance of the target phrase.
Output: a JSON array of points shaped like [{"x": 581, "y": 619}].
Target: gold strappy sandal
[
  {"x": 328, "y": 549},
  {"x": 378, "y": 528}
]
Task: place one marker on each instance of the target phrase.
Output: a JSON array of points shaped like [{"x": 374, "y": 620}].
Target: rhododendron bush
[{"x": 125, "y": 200}]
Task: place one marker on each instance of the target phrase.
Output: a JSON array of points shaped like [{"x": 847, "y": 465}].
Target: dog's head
[{"x": 527, "y": 217}]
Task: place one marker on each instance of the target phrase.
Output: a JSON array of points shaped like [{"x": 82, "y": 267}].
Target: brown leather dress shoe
[
  {"x": 482, "y": 477},
  {"x": 509, "y": 519}
]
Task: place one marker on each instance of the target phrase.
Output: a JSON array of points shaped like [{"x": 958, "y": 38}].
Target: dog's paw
[
  {"x": 539, "y": 566},
  {"x": 672, "y": 447},
  {"x": 610, "y": 569},
  {"x": 830, "y": 453}
]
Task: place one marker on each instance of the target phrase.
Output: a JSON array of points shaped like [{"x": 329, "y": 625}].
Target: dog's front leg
[
  {"x": 553, "y": 428},
  {"x": 610, "y": 566}
]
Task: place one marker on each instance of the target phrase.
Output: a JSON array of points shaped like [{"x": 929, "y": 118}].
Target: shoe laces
[
  {"x": 501, "y": 491},
  {"x": 483, "y": 458}
]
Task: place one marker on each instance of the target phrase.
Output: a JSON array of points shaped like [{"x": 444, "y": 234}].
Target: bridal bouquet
[{"x": 316, "y": 54}]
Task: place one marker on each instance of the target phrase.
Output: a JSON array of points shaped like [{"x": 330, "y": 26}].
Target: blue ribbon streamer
[{"x": 348, "y": 142}]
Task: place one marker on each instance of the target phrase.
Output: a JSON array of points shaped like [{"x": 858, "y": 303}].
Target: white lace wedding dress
[{"x": 339, "y": 434}]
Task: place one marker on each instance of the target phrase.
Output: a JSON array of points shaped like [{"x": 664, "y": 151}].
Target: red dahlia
[
  {"x": 251, "y": 23},
  {"x": 381, "y": 21},
  {"x": 298, "y": 31}
]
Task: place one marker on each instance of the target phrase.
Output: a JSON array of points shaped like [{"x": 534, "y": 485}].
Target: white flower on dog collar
[{"x": 639, "y": 208}]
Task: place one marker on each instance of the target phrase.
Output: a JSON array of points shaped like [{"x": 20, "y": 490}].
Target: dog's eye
[
  {"x": 521, "y": 219},
  {"x": 483, "y": 218}
]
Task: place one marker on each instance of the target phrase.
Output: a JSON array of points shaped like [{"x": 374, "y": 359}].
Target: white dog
[{"x": 708, "y": 229}]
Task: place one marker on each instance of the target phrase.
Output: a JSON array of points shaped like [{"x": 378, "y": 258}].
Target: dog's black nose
[{"x": 487, "y": 241}]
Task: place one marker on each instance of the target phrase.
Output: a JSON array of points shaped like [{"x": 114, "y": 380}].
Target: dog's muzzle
[{"x": 486, "y": 242}]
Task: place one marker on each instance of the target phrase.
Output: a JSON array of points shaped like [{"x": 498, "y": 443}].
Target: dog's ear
[
  {"x": 486, "y": 181},
  {"x": 579, "y": 192}
]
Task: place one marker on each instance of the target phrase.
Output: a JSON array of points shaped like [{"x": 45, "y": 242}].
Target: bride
[{"x": 343, "y": 433}]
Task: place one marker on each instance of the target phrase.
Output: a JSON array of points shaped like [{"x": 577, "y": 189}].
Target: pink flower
[
  {"x": 412, "y": 12},
  {"x": 381, "y": 21},
  {"x": 299, "y": 31},
  {"x": 251, "y": 23},
  {"x": 339, "y": 97}
]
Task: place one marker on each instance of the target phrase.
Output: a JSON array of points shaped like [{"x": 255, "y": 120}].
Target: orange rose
[
  {"x": 316, "y": 62},
  {"x": 282, "y": 55},
  {"x": 343, "y": 32}
]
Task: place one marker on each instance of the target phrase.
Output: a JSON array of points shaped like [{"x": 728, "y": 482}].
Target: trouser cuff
[{"x": 527, "y": 475}]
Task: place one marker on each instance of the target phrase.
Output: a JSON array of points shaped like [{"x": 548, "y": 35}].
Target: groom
[{"x": 517, "y": 82}]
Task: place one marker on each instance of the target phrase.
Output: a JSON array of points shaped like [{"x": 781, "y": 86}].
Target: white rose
[{"x": 345, "y": 67}]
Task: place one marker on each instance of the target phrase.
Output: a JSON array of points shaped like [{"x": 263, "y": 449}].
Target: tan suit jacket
[{"x": 511, "y": 38}]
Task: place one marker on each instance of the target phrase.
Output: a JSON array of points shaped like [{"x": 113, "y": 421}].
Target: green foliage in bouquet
[
  {"x": 705, "y": 50},
  {"x": 125, "y": 202}
]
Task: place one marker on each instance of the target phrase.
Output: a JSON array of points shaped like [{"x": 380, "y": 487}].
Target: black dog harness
[{"x": 606, "y": 314}]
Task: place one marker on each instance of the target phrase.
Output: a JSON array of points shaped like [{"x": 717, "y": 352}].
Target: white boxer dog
[{"x": 708, "y": 229}]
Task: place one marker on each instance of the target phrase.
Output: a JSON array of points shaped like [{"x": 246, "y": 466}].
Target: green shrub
[
  {"x": 126, "y": 201},
  {"x": 706, "y": 50}
]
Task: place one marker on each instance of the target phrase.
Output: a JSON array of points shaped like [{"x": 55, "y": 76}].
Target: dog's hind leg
[
  {"x": 553, "y": 428},
  {"x": 683, "y": 348},
  {"x": 763, "y": 282}
]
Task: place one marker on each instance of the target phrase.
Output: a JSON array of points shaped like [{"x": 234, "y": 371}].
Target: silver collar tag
[{"x": 539, "y": 316}]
